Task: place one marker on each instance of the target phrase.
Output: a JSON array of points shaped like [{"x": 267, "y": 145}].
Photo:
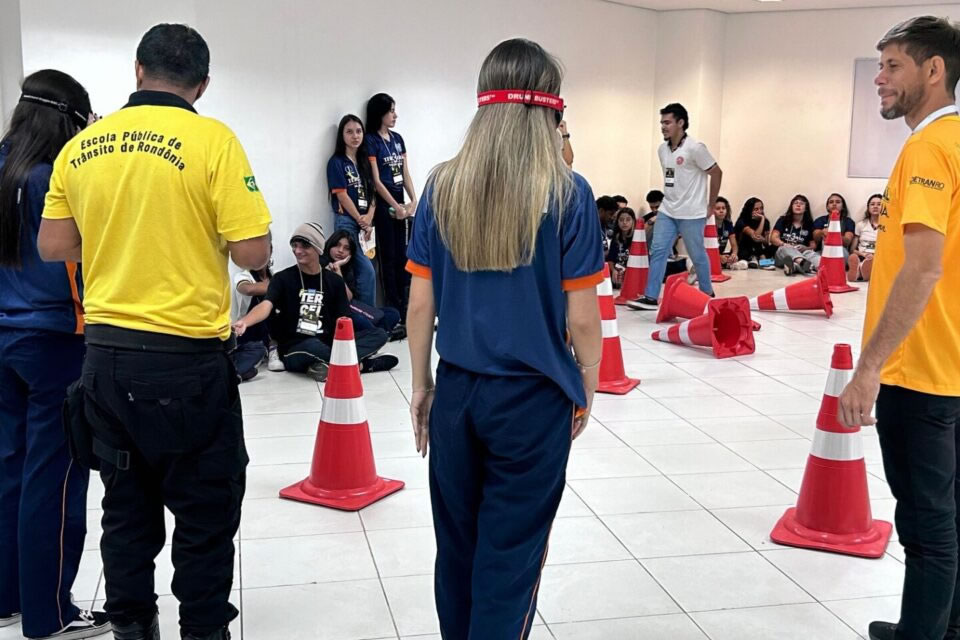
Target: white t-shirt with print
[
  {"x": 685, "y": 179},
  {"x": 868, "y": 236},
  {"x": 240, "y": 303}
]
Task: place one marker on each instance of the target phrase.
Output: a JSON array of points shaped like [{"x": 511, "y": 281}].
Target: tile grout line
[{"x": 376, "y": 567}]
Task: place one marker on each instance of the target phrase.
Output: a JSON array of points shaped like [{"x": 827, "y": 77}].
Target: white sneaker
[
  {"x": 739, "y": 265},
  {"x": 274, "y": 363}
]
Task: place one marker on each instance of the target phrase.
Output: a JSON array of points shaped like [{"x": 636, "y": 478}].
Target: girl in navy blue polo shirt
[
  {"x": 43, "y": 493},
  {"x": 353, "y": 198},
  {"x": 511, "y": 272},
  {"x": 387, "y": 154}
]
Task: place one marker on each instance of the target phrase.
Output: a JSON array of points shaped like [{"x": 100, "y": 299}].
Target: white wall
[
  {"x": 11, "y": 68},
  {"x": 283, "y": 74},
  {"x": 787, "y": 100}
]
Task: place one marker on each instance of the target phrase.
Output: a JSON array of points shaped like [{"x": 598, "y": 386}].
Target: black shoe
[
  {"x": 138, "y": 630},
  {"x": 379, "y": 363},
  {"x": 399, "y": 332},
  {"x": 318, "y": 371},
  {"x": 753, "y": 264},
  {"x": 219, "y": 634},
  {"x": 249, "y": 374},
  {"x": 12, "y": 619},
  {"x": 882, "y": 630},
  {"x": 643, "y": 303},
  {"x": 88, "y": 624}
]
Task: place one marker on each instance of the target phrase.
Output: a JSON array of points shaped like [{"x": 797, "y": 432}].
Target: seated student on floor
[
  {"x": 821, "y": 226},
  {"x": 303, "y": 303},
  {"x": 249, "y": 288},
  {"x": 726, "y": 238},
  {"x": 753, "y": 234},
  {"x": 654, "y": 200},
  {"x": 338, "y": 255},
  {"x": 621, "y": 202},
  {"x": 793, "y": 238},
  {"x": 860, "y": 262},
  {"x": 607, "y": 210},
  {"x": 620, "y": 245}
]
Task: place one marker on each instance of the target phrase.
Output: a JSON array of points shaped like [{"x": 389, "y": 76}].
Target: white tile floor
[{"x": 663, "y": 533}]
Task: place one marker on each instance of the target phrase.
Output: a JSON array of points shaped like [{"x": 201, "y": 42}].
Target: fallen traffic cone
[
  {"x": 725, "y": 327},
  {"x": 833, "y": 510},
  {"x": 712, "y": 245},
  {"x": 343, "y": 474},
  {"x": 681, "y": 300},
  {"x": 807, "y": 295},
  {"x": 832, "y": 261},
  {"x": 613, "y": 379},
  {"x": 638, "y": 267}
]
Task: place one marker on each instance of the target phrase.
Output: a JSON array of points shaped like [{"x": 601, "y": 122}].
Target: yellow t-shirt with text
[
  {"x": 924, "y": 188},
  {"x": 156, "y": 191}
]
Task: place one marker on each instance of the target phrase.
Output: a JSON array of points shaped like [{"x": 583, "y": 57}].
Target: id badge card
[
  {"x": 669, "y": 177},
  {"x": 309, "y": 322},
  {"x": 397, "y": 170},
  {"x": 362, "y": 203}
]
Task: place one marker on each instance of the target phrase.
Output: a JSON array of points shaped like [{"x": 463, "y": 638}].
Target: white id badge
[
  {"x": 361, "y": 203},
  {"x": 398, "y": 178}
]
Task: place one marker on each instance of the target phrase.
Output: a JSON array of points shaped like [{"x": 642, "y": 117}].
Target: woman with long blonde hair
[{"x": 506, "y": 250}]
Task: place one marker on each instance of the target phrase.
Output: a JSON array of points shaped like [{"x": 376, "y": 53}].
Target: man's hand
[
  {"x": 239, "y": 327},
  {"x": 858, "y": 398}
]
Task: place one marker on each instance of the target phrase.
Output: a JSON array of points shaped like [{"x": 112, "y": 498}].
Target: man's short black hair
[
  {"x": 654, "y": 196},
  {"x": 924, "y": 37},
  {"x": 621, "y": 199},
  {"x": 606, "y": 203},
  {"x": 678, "y": 112},
  {"x": 176, "y": 54}
]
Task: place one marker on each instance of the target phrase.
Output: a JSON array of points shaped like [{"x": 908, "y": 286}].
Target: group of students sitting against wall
[
  {"x": 794, "y": 243},
  {"x": 373, "y": 201}
]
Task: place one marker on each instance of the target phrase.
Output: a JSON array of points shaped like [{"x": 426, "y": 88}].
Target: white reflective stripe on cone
[
  {"x": 609, "y": 328},
  {"x": 834, "y": 226},
  {"x": 642, "y": 262},
  {"x": 639, "y": 234},
  {"x": 842, "y": 447},
  {"x": 836, "y": 382},
  {"x": 343, "y": 411},
  {"x": 605, "y": 288},
  {"x": 755, "y": 304},
  {"x": 685, "y": 334},
  {"x": 344, "y": 353},
  {"x": 711, "y": 243},
  {"x": 780, "y": 299},
  {"x": 832, "y": 251}
]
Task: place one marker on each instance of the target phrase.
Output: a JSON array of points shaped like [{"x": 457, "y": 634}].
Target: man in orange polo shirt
[{"x": 911, "y": 356}]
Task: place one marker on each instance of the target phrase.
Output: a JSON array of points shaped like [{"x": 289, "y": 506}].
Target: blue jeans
[
  {"x": 248, "y": 355},
  {"x": 390, "y": 319},
  {"x": 362, "y": 266},
  {"x": 665, "y": 233}
]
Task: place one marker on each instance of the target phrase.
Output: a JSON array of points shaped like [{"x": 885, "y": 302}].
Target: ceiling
[{"x": 747, "y": 6}]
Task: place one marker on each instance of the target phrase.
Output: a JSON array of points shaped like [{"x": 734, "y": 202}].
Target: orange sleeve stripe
[
  {"x": 75, "y": 294},
  {"x": 338, "y": 190},
  {"x": 582, "y": 283},
  {"x": 419, "y": 270}
]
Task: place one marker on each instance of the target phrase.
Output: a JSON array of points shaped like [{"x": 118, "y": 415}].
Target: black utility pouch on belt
[{"x": 77, "y": 429}]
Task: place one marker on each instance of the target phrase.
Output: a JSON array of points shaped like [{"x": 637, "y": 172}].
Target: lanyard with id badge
[
  {"x": 309, "y": 321},
  {"x": 394, "y": 159},
  {"x": 353, "y": 180}
]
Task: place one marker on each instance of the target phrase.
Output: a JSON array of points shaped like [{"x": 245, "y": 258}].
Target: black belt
[{"x": 102, "y": 335}]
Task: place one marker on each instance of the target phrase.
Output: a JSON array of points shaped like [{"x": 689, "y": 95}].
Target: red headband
[{"x": 520, "y": 96}]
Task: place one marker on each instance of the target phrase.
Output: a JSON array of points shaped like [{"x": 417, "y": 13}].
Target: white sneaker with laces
[{"x": 274, "y": 363}]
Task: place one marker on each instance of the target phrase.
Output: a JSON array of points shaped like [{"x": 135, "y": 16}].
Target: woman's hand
[
  {"x": 366, "y": 221},
  {"x": 420, "y": 405},
  {"x": 591, "y": 379}
]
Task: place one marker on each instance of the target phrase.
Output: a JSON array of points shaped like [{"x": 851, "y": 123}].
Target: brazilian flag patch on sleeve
[{"x": 251, "y": 183}]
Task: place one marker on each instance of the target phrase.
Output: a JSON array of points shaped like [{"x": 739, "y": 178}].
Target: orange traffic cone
[
  {"x": 833, "y": 511},
  {"x": 613, "y": 379},
  {"x": 807, "y": 295},
  {"x": 343, "y": 474},
  {"x": 680, "y": 300},
  {"x": 831, "y": 260},
  {"x": 638, "y": 266},
  {"x": 712, "y": 244},
  {"x": 725, "y": 327}
]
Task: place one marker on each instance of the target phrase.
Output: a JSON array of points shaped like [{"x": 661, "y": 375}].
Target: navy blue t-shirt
[
  {"x": 343, "y": 175},
  {"x": 514, "y": 324},
  {"x": 389, "y": 156},
  {"x": 723, "y": 233},
  {"x": 39, "y": 295},
  {"x": 847, "y": 225},
  {"x": 791, "y": 234}
]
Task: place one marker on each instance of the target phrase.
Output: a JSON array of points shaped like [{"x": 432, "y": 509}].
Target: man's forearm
[{"x": 908, "y": 298}]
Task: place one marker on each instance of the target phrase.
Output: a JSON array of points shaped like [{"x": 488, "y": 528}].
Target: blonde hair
[{"x": 490, "y": 199}]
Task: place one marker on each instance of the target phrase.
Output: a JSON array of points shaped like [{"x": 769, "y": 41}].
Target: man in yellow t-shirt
[
  {"x": 152, "y": 200},
  {"x": 910, "y": 363}
]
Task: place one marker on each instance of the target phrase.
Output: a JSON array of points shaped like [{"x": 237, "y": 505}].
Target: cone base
[
  {"x": 836, "y": 288},
  {"x": 720, "y": 277},
  {"x": 343, "y": 499},
  {"x": 786, "y": 533},
  {"x": 618, "y": 387}
]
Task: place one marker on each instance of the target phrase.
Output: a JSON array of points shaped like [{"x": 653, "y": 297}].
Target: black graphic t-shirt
[
  {"x": 724, "y": 229},
  {"x": 306, "y": 310},
  {"x": 790, "y": 234}
]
